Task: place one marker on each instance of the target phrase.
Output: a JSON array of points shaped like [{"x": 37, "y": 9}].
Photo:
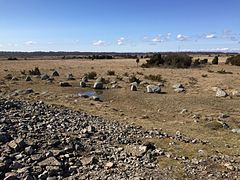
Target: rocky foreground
[{"x": 39, "y": 141}]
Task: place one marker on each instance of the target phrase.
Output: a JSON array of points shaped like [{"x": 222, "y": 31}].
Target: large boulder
[
  {"x": 98, "y": 85},
  {"x": 153, "y": 89}
]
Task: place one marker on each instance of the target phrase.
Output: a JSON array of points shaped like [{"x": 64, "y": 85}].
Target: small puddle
[{"x": 90, "y": 93}]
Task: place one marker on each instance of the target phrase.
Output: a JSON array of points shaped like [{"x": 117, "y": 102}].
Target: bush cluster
[
  {"x": 215, "y": 60},
  {"x": 157, "y": 77},
  {"x": 91, "y": 75},
  {"x": 234, "y": 60},
  {"x": 171, "y": 60},
  {"x": 12, "y": 58},
  {"x": 35, "y": 71}
]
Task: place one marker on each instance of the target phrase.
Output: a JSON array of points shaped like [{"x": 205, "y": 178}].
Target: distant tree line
[{"x": 7, "y": 54}]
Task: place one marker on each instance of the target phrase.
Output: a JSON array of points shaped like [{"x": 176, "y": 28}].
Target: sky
[{"x": 119, "y": 25}]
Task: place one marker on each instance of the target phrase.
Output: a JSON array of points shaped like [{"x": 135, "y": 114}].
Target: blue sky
[{"x": 119, "y": 25}]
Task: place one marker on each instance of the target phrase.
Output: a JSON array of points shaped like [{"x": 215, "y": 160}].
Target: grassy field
[{"x": 160, "y": 111}]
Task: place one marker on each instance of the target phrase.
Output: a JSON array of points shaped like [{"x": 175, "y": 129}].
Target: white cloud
[
  {"x": 168, "y": 36},
  {"x": 210, "y": 36},
  {"x": 230, "y": 35},
  {"x": 1, "y": 45},
  {"x": 12, "y": 45},
  {"x": 121, "y": 41},
  {"x": 157, "y": 39},
  {"x": 30, "y": 43},
  {"x": 99, "y": 43},
  {"x": 221, "y": 49},
  {"x": 181, "y": 37}
]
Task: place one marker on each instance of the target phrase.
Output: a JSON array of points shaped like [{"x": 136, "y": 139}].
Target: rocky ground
[
  {"x": 186, "y": 127},
  {"x": 40, "y": 141}
]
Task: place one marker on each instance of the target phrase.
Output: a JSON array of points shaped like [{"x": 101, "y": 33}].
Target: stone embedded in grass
[
  {"x": 83, "y": 84},
  {"x": 84, "y": 79},
  {"x": 8, "y": 76},
  {"x": 179, "y": 85},
  {"x": 55, "y": 73},
  {"x": 178, "y": 88},
  {"x": 95, "y": 98},
  {"x": 133, "y": 87},
  {"x": 100, "y": 79},
  {"x": 153, "y": 89},
  {"x": 70, "y": 77},
  {"x": 237, "y": 130},
  {"x": 28, "y": 91},
  {"x": 221, "y": 93},
  {"x": 65, "y": 84},
  {"x": 14, "y": 78},
  {"x": 28, "y": 78},
  {"x": 216, "y": 125},
  {"x": 98, "y": 85},
  {"x": 44, "y": 77}
]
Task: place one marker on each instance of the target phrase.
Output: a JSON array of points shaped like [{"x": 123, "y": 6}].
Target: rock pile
[{"x": 40, "y": 141}]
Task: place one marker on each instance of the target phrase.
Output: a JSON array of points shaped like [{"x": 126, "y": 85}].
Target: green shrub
[
  {"x": 204, "y": 61},
  {"x": 91, "y": 75},
  {"x": 234, "y": 60},
  {"x": 196, "y": 62},
  {"x": 215, "y": 60},
  {"x": 137, "y": 61},
  {"x": 171, "y": 60},
  {"x": 35, "y": 71}
]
